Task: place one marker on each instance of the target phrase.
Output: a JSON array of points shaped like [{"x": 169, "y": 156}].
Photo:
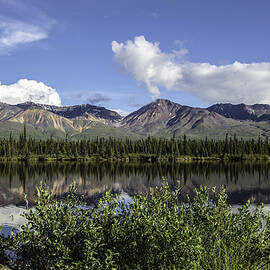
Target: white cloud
[
  {"x": 181, "y": 52},
  {"x": 121, "y": 112},
  {"x": 34, "y": 26},
  {"x": 13, "y": 33},
  {"x": 29, "y": 90},
  {"x": 235, "y": 83}
]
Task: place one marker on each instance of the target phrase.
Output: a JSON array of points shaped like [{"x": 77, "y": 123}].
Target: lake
[{"x": 243, "y": 180}]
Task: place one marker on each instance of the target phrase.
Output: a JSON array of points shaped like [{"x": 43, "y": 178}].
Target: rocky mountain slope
[
  {"x": 43, "y": 119},
  {"x": 161, "y": 118},
  {"x": 71, "y": 112},
  {"x": 54, "y": 121},
  {"x": 165, "y": 118},
  {"x": 151, "y": 117},
  {"x": 256, "y": 112}
]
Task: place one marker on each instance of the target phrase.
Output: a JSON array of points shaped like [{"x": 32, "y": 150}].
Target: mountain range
[{"x": 161, "y": 118}]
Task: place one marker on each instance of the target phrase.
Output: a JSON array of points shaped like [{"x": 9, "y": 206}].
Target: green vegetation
[
  {"x": 155, "y": 231},
  {"x": 150, "y": 149},
  {"x": 105, "y": 131},
  {"x": 44, "y": 132},
  {"x": 17, "y": 129}
]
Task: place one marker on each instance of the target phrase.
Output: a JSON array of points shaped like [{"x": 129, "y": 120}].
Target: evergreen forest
[{"x": 149, "y": 149}]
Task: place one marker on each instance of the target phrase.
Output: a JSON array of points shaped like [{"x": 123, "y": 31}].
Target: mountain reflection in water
[{"x": 243, "y": 180}]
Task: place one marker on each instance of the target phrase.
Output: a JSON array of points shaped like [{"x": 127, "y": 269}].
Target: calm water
[{"x": 243, "y": 180}]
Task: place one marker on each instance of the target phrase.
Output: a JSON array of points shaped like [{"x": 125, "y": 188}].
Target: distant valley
[{"x": 161, "y": 118}]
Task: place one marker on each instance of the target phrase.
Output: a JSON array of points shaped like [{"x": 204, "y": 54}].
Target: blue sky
[{"x": 68, "y": 46}]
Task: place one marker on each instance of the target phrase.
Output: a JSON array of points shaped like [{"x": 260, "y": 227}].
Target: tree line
[{"x": 151, "y": 146}]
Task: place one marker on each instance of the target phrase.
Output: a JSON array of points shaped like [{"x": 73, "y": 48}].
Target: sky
[{"x": 124, "y": 54}]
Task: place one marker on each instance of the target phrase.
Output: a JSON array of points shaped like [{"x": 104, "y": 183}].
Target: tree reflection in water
[{"x": 243, "y": 180}]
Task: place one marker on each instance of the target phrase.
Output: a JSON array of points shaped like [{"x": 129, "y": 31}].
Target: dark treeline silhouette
[
  {"x": 244, "y": 180},
  {"x": 26, "y": 147},
  {"x": 113, "y": 171}
]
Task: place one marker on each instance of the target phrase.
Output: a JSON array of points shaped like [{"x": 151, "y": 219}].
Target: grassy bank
[{"x": 153, "y": 232}]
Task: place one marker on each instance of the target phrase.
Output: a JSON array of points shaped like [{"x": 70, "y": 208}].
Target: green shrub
[{"x": 156, "y": 231}]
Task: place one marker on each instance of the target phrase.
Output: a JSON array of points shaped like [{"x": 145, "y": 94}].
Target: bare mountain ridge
[
  {"x": 256, "y": 112},
  {"x": 166, "y": 118},
  {"x": 56, "y": 121},
  {"x": 75, "y": 111},
  {"x": 43, "y": 119},
  {"x": 162, "y": 118}
]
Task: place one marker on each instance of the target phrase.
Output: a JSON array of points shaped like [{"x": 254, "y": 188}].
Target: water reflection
[{"x": 243, "y": 180}]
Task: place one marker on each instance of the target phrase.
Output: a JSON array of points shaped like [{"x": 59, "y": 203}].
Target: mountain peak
[
  {"x": 163, "y": 101},
  {"x": 153, "y": 115}
]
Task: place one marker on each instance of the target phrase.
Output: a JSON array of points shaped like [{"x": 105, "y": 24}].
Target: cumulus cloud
[
  {"x": 29, "y": 90},
  {"x": 235, "y": 83},
  {"x": 97, "y": 98}
]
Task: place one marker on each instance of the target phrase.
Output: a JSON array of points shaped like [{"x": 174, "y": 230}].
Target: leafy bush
[{"x": 156, "y": 231}]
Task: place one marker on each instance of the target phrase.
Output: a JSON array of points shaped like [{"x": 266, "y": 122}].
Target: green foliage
[
  {"x": 60, "y": 235},
  {"x": 229, "y": 241},
  {"x": 155, "y": 231}
]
